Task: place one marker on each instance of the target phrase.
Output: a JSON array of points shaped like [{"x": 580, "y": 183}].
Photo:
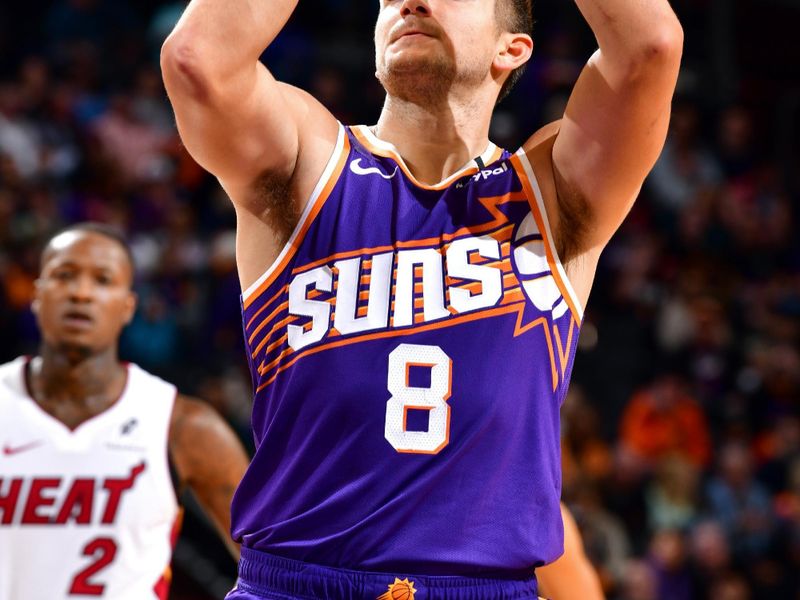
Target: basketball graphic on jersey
[
  {"x": 401, "y": 589},
  {"x": 533, "y": 271}
]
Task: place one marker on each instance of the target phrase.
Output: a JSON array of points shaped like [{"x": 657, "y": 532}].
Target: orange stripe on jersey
[
  {"x": 553, "y": 372},
  {"x": 265, "y": 306},
  {"x": 272, "y": 315},
  {"x": 551, "y": 259},
  {"x": 449, "y": 322},
  {"x": 520, "y": 328},
  {"x": 262, "y": 369},
  {"x": 326, "y": 191},
  {"x": 276, "y": 343},
  {"x": 281, "y": 307},
  {"x": 280, "y": 324},
  {"x": 495, "y": 228},
  {"x": 563, "y": 351},
  {"x": 511, "y": 294}
]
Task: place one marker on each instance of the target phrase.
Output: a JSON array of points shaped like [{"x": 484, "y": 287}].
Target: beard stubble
[{"x": 427, "y": 80}]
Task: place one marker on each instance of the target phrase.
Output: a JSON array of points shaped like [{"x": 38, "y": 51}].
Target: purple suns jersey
[{"x": 410, "y": 349}]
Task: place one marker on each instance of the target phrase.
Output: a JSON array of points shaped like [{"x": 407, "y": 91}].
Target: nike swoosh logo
[
  {"x": 355, "y": 167},
  {"x": 10, "y": 451}
]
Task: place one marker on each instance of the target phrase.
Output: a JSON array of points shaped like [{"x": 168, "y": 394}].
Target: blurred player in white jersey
[{"x": 92, "y": 448}]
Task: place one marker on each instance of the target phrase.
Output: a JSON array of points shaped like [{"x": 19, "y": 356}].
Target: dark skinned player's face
[{"x": 83, "y": 294}]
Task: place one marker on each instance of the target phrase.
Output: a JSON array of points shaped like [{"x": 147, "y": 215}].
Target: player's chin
[
  {"x": 414, "y": 71},
  {"x": 77, "y": 347},
  {"x": 411, "y": 60}
]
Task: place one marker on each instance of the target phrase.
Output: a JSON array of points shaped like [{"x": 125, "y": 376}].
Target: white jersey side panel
[{"x": 90, "y": 512}]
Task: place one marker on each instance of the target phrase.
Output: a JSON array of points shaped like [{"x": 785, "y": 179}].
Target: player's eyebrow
[{"x": 71, "y": 263}]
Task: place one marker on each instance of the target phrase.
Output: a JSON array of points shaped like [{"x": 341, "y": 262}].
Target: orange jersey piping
[
  {"x": 384, "y": 149},
  {"x": 531, "y": 186},
  {"x": 324, "y": 187},
  {"x": 503, "y": 309}
]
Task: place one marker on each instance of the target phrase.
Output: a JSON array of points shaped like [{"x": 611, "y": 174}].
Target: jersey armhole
[
  {"x": 530, "y": 185},
  {"x": 322, "y": 190}
]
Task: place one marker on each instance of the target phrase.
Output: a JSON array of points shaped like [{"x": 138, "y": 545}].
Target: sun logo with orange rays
[{"x": 401, "y": 589}]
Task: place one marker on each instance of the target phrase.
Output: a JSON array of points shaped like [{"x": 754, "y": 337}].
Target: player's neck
[
  {"x": 435, "y": 141},
  {"x": 75, "y": 390}
]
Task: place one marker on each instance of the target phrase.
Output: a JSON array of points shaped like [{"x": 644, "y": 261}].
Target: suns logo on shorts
[{"x": 401, "y": 589}]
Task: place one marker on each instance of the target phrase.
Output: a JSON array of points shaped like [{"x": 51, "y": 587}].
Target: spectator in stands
[
  {"x": 664, "y": 419},
  {"x": 667, "y": 556},
  {"x": 640, "y": 582},
  {"x": 710, "y": 555},
  {"x": 741, "y": 503},
  {"x": 686, "y": 169},
  {"x": 730, "y": 587},
  {"x": 671, "y": 497}
]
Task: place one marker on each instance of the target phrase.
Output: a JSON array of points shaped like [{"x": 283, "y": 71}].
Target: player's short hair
[
  {"x": 515, "y": 16},
  {"x": 109, "y": 231}
]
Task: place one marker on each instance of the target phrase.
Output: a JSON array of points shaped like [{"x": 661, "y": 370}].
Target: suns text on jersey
[{"x": 397, "y": 288}]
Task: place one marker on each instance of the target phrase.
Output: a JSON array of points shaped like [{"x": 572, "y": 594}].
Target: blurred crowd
[{"x": 682, "y": 427}]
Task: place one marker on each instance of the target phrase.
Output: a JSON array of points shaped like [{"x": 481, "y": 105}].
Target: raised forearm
[
  {"x": 630, "y": 31},
  {"x": 232, "y": 115},
  {"x": 226, "y": 37}
]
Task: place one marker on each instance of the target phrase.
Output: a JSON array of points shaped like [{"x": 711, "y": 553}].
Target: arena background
[{"x": 682, "y": 429}]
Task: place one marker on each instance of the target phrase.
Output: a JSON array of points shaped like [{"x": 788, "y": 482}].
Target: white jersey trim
[
  {"x": 537, "y": 192},
  {"x": 48, "y": 420}
]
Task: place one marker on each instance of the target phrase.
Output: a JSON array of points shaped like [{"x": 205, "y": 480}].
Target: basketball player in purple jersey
[{"x": 412, "y": 293}]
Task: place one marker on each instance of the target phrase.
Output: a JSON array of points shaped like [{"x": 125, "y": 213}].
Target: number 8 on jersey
[{"x": 405, "y": 397}]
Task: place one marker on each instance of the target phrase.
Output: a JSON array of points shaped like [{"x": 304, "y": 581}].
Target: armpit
[
  {"x": 574, "y": 219},
  {"x": 273, "y": 193}
]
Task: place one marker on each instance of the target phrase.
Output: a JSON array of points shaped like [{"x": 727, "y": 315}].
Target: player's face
[
  {"x": 422, "y": 43},
  {"x": 83, "y": 294}
]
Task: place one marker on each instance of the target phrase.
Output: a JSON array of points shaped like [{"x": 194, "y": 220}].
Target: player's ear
[
  {"x": 515, "y": 50},
  {"x": 36, "y": 303},
  {"x": 130, "y": 307}
]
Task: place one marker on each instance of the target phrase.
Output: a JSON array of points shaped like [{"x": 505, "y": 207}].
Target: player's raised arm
[
  {"x": 232, "y": 115},
  {"x": 209, "y": 459},
  {"x": 254, "y": 133},
  {"x": 617, "y": 116}
]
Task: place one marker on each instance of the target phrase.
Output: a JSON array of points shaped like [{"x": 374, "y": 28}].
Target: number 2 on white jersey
[
  {"x": 432, "y": 399},
  {"x": 103, "y": 551}
]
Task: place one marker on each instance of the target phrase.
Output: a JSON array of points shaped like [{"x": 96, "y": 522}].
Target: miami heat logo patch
[{"x": 401, "y": 589}]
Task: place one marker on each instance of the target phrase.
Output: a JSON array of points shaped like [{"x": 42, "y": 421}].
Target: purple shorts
[{"x": 266, "y": 577}]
